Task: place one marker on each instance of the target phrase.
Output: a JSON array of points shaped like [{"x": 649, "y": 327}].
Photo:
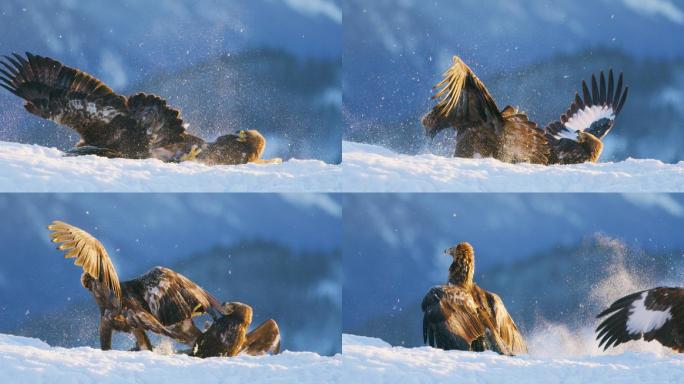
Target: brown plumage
[
  {"x": 228, "y": 335},
  {"x": 654, "y": 314},
  {"x": 161, "y": 301},
  {"x": 461, "y": 315},
  {"x": 111, "y": 125},
  {"x": 482, "y": 130}
]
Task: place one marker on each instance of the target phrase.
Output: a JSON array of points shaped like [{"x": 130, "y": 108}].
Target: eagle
[
  {"x": 482, "y": 130},
  {"x": 111, "y": 125},
  {"x": 228, "y": 335},
  {"x": 653, "y": 314},
  {"x": 161, "y": 301},
  {"x": 460, "y": 315}
]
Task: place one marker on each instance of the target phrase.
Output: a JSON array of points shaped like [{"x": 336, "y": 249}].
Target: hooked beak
[{"x": 242, "y": 136}]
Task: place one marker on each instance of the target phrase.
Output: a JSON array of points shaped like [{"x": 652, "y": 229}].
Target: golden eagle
[
  {"x": 654, "y": 314},
  {"x": 137, "y": 127},
  {"x": 228, "y": 335},
  {"x": 461, "y": 315},
  {"x": 482, "y": 130},
  {"x": 161, "y": 301}
]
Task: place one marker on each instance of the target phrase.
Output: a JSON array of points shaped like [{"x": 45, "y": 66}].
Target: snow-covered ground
[
  {"x": 33, "y": 168},
  {"x": 371, "y": 360},
  {"x": 26, "y": 360},
  {"x": 369, "y": 168}
]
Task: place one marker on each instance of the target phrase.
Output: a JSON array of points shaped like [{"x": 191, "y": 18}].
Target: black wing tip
[{"x": 622, "y": 101}]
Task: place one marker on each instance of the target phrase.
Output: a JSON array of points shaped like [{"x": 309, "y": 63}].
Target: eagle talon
[{"x": 192, "y": 155}]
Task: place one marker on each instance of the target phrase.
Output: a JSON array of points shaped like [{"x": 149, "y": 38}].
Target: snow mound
[
  {"x": 33, "y": 168},
  {"x": 369, "y": 361},
  {"x": 25, "y": 360},
  {"x": 368, "y": 168}
]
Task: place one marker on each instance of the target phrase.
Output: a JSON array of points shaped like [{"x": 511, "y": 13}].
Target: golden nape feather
[
  {"x": 453, "y": 84},
  {"x": 88, "y": 251}
]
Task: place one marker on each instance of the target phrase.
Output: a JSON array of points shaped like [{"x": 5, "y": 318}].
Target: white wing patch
[
  {"x": 586, "y": 116},
  {"x": 643, "y": 320},
  {"x": 106, "y": 114}
]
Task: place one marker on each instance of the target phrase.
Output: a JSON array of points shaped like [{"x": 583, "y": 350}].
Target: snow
[
  {"x": 369, "y": 168},
  {"x": 373, "y": 361},
  {"x": 26, "y": 360},
  {"x": 33, "y": 168}
]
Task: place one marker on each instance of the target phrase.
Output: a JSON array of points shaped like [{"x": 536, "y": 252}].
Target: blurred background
[
  {"x": 278, "y": 253},
  {"x": 556, "y": 260},
  {"x": 529, "y": 53},
  {"x": 271, "y": 65}
]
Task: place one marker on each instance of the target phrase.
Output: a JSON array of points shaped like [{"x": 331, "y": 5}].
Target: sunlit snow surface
[
  {"x": 26, "y": 360},
  {"x": 369, "y": 168},
  {"x": 33, "y": 168},
  {"x": 371, "y": 360}
]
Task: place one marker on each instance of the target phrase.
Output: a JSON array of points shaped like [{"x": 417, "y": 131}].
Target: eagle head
[
  {"x": 241, "y": 147},
  {"x": 462, "y": 268},
  {"x": 583, "y": 136}
]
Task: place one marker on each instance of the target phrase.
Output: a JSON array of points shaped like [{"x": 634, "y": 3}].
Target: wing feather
[
  {"x": 507, "y": 330},
  {"x": 60, "y": 93},
  {"x": 170, "y": 296},
  {"x": 463, "y": 101},
  {"x": 164, "y": 124},
  {"x": 450, "y": 319},
  {"x": 89, "y": 253},
  {"x": 594, "y": 113},
  {"x": 651, "y": 314}
]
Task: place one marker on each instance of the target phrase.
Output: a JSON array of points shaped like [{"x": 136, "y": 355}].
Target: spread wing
[
  {"x": 60, "y": 93},
  {"x": 504, "y": 324},
  {"x": 463, "y": 102},
  {"x": 595, "y": 112},
  {"x": 450, "y": 319},
  {"x": 163, "y": 123},
  {"x": 523, "y": 141},
  {"x": 265, "y": 339},
  {"x": 89, "y": 253},
  {"x": 170, "y": 296},
  {"x": 657, "y": 314}
]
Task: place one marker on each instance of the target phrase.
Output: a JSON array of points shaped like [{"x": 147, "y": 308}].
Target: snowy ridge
[
  {"x": 26, "y": 360},
  {"x": 33, "y": 168},
  {"x": 369, "y": 168},
  {"x": 377, "y": 362}
]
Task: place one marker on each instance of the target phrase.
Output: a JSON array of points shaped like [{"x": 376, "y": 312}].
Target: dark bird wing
[
  {"x": 264, "y": 339},
  {"x": 464, "y": 101},
  {"x": 657, "y": 314},
  {"x": 450, "y": 319},
  {"x": 89, "y": 253},
  {"x": 170, "y": 296},
  {"x": 164, "y": 126},
  {"x": 60, "y": 93},
  {"x": 594, "y": 112},
  {"x": 510, "y": 337}
]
